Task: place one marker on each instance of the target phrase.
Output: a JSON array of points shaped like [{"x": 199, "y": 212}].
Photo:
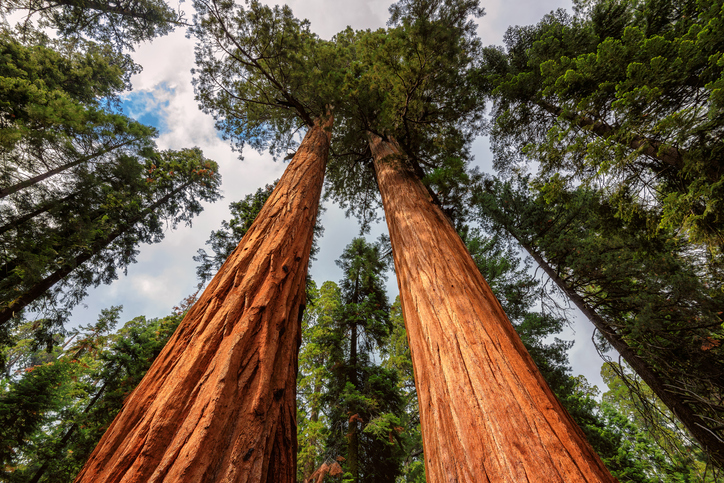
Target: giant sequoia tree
[
  {"x": 219, "y": 402},
  {"x": 416, "y": 109}
]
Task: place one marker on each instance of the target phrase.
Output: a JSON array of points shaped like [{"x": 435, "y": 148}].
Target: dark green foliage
[
  {"x": 260, "y": 72},
  {"x": 75, "y": 403},
  {"x": 50, "y": 262},
  {"x": 623, "y": 96},
  {"x": 411, "y": 82},
  {"x": 23, "y": 407},
  {"x": 264, "y": 76},
  {"x": 652, "y": 292}
]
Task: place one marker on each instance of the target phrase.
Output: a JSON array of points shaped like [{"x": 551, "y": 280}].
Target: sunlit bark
[
  {"x": 218, "y": 404},
  {"x": 486, "y": 412}
]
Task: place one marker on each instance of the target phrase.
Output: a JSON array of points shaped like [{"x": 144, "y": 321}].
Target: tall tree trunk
[
  {"x": 218, "y": 404},
  {"x": 353, "y": 446},
  {"x": 487, "y": 415},
  {"x": 313, "y": 442},
  {"x": 697, "y": 426},
  {"x": 43, "y": 176},
  {"x": 16, "y": 222}
]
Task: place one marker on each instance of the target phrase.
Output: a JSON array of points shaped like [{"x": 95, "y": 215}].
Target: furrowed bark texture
[
  {"x": 218, "y": 404},
  {"x": 487, "y": 414}
]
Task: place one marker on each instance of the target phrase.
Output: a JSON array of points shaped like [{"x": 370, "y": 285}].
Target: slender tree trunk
[
  {"x": 675, "y": 402},
  {"x": 16, "y": 222},
  {"x": 652, "y": 148},
  {"x": 32, "y": 293},
  {"x": 218, "y": 404},
  {"x": 64, "y": 233},
  {"x": 311, "y": 464},
  {"x": 487, "y": 415},
  {"x": 353, "y": 434},
  {"x": 43, "y": 176},
  {"x": 353, "y": 446}
]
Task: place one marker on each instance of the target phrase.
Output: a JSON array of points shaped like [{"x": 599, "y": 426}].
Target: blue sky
[{"x": 147, "y": 107}]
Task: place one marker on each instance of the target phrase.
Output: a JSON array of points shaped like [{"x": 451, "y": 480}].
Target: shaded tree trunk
[
  {"x": 313, "y": 442},
  {"x": 43, "y": 176},
  {"x": 31, "y": 293},
  {"x": 218, "y": 404},
  {"x": 45, "y": 207},
  {"x": 650, "y": 147},
  {"x": 674, "y": 400},
  {"x": 353, "y": 446},
  {"x": 487, "y": 415}
]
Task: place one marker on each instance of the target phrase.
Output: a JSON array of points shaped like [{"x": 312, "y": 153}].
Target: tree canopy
[
  {"x": 81, "y": 184},
  {"x": 625, "y": 96}
]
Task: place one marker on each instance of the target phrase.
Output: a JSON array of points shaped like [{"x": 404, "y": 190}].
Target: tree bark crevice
[
  {"x": 220, "y": 398},
  {"x": 485, "y": 410}
]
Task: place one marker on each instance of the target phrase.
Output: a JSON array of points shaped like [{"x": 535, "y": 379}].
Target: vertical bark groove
[
  {"x": 218, "y": 404},
  {"x": 486, "y": 412}
]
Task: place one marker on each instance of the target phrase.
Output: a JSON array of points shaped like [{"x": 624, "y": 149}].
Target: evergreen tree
[
  {"x": 359, "y": 399},
  {"x": 74, "y": 246},
  {"x": 245, "y": 355},
  {"x": 261, "y": 52},
  {"x": 411, "y": 99},
  {"x": 649, "y": 297},
  {"x": 364, "y": 405},
  {"x": 314, "y": 354},
  {"x": 624, "y": 95},
  {"x": 519, "y": 293}
]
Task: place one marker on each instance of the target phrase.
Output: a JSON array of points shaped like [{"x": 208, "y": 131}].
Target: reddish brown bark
[
  {"x": 487, "y": 414},
  {"x": 218, "y": 404}
]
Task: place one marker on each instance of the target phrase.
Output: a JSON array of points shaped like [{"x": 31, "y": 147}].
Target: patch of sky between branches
[{"x": 149, "y": 107}]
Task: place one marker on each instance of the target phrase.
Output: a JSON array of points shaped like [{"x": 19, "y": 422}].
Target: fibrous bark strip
[
  {"x": 218, "y": 404},
  {"x": 486, "y": 412}
]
